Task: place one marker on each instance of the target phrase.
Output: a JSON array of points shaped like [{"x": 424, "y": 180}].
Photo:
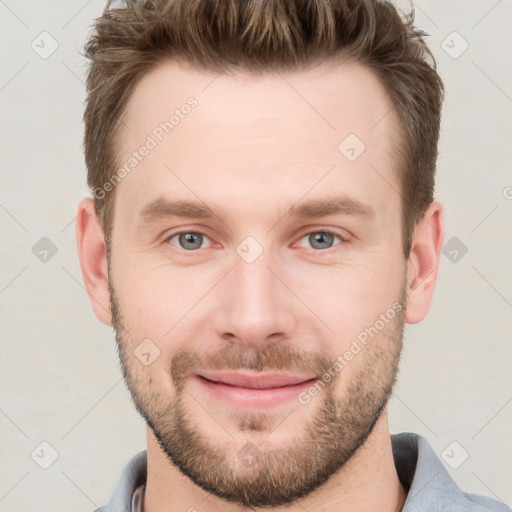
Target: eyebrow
[{"x": 162, "y": 208}]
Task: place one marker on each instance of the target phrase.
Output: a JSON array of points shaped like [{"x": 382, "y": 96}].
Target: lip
[
  {"x": 249, "y": 390},
  {"x": 251, "y": 381}
]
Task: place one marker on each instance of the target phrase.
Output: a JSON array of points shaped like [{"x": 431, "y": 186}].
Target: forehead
[
  {"x": 272, "y": 135},
  {"x": 336, "y": 96}
]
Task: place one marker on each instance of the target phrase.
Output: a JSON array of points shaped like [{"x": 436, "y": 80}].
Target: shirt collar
[{"x": 421, "y": 472}]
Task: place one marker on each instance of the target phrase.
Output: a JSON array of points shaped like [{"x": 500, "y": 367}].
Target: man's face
[{"x": 264, "y": 284}]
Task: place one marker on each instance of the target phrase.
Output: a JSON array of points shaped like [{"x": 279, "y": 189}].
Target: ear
[
  {"x": 93, "y": 259},
  {"x": 423, "y": 263}
]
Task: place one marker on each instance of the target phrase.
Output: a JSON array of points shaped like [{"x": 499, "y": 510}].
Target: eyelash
[{"x": 323, "y": 231}]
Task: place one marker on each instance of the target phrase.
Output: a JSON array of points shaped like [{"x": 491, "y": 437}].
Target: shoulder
[
  {"x": 430, "y": 486},
  {"x": 133, "y": 475}
]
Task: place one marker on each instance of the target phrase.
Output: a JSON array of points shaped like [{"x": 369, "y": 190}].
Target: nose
[{"x": 253, "y": 307}]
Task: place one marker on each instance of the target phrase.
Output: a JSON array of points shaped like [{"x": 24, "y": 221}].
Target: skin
[{"x": 250, "y": 149}]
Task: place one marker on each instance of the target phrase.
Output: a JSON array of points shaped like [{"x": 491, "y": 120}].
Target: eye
[
  {"x": 193, "y": 240},
  {"x": 321, "y": 239},
  {"x": 188, "y": 240}
]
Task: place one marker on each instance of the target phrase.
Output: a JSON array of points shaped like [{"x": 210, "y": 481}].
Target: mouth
[{"x": 253, "y": 391}]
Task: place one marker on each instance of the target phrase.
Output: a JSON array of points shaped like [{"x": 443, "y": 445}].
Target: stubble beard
[{"x": 245, "y": 467}]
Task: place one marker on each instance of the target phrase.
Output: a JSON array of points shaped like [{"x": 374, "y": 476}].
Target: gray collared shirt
[{"x": 429, "y": 486}]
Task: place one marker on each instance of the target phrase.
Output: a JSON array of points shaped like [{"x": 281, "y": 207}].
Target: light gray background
[{"x": 60, "y": 380}]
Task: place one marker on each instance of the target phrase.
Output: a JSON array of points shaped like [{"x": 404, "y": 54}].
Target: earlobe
[
  {"x": 423, "y": 263},
  {"x": 93, "y": 259}
]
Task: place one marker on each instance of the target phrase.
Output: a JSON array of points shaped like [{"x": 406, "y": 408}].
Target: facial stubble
[{"x": 255, "y": 473}]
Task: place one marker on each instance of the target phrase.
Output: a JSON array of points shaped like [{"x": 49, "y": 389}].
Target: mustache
[{"x": 259, "y": 359}]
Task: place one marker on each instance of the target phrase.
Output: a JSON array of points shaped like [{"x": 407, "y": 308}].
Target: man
[{"x": 263, "y": 225}]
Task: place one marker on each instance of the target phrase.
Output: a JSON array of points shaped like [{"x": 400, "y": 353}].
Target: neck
[{"x": 367, "y": 482}]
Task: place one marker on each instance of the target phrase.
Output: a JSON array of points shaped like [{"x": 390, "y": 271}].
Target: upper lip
[{"x": 260, "y": 381}]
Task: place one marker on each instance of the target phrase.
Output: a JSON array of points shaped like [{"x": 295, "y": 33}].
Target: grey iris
[
  {"x": 318, "y": 240},
  {"x": 195, "y": 239}
]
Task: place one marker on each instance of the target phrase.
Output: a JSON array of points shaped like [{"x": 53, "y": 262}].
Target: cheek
[
  {"x": 162, "y": 309},
  {"x": 155, "y": 299},
  {"x": 352, "y": 295}
]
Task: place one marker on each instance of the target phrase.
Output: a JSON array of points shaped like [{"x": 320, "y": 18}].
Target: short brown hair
[{"x": 256, "y": 36}]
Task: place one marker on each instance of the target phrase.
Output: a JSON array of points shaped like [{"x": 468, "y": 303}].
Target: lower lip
[{"x": 246, "y": 397}]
